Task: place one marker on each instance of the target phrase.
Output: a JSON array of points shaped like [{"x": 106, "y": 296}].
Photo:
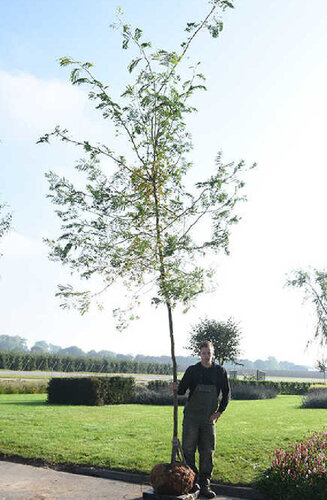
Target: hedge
[
  {"x": 296, "y": 388},
  {"x": 64, "y": 363},
  {"x": 93, "y": 391}
]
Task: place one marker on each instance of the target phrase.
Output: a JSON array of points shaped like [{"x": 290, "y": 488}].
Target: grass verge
[{"x": 135, "y": 437}]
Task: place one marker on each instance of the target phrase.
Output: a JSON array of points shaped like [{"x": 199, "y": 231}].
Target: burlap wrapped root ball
[{"x": 172, "y": 480}]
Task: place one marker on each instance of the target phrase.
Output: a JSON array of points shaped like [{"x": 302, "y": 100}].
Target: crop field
[{"x": 135, "y": 437}]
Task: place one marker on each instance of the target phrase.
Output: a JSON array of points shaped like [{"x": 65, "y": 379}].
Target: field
[{"x": 134, "y": 437}]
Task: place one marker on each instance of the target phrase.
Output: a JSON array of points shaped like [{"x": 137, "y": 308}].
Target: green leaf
[
  {"x": 137, "y": 33},
  {"x": 65, "y": 61},
  {"x": 133, "y": 64},
  {"x": 66, "y": 250}
]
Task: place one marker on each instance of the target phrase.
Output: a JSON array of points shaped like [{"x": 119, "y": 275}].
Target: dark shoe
[
  {"x": 207, "y": 492},
  {"x": 195, "y": 488}
]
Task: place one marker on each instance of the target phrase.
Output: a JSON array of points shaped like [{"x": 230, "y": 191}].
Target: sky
[{"x": 266, "y": 103}]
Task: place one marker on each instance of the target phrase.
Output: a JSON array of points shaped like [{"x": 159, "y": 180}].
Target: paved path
[{"x": 24, "y": 482}]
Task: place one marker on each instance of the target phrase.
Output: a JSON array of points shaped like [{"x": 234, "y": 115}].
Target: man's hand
[
  {"x": 214, "y": 417},
  {"x": 174, "y": 386}
]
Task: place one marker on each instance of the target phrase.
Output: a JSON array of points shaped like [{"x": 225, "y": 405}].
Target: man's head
[{"x": 206, "y": 353}]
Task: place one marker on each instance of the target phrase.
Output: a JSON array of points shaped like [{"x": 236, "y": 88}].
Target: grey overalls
[{"x": 198, "y": 431}]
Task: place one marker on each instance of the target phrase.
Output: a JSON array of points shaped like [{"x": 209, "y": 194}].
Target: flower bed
[{"x": 300, "y": 472}]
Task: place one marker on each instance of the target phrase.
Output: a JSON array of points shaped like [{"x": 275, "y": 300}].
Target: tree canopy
[
  {"x": 224, "y": 335},
  {"x": 13, "y": 343},
  {"x": 5, "y": 220},
  {"x": 313, "y": 282},
  {"x": 135, "y": 222}
]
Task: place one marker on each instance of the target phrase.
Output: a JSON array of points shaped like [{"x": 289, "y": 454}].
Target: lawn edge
[{"x": 245, "y": 492}]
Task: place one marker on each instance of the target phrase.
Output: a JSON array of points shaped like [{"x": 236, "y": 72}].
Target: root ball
[{"x": 172, "y": 480}]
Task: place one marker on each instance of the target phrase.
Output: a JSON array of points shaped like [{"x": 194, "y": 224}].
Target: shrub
[
  {"x": 161, "y": 396},
  {"x": 90, "y": 390},
  {"x": 297, "y": 388},
  {"x": 154, "y": 385},
  {"x": 117, "y": 390},
  {"x": 253, "y": 391},
  {"x": 315, "y": 387},
  {"x": 315, "y": 399},
  {"x": 23, "y": 386},
  {"x": 300, "y": 472}
]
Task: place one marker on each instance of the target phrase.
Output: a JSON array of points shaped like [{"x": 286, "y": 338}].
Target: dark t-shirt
[{"x": 214, "y": 375}]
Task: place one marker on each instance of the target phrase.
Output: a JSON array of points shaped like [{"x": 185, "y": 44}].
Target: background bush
[
  {"x": 156, "y": 395},
  {"x": 289, "y": 388},
  {"x": 253, "y": 391},
  {"x": 91, "y": 390},
  {"x": 316, "y": 399},
  {"x": 23, "y": 386}
]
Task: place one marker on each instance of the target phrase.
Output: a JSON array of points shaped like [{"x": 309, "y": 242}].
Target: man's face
[{"x": 206, "y": 356}]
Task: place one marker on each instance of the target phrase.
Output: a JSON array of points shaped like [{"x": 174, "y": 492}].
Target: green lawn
[{"x": 135, "y": 437}]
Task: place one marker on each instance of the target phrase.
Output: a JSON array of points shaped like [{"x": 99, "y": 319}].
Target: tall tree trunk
[
  {"x": 172, "y": 346},
  {"x": 175, "y": 442}
]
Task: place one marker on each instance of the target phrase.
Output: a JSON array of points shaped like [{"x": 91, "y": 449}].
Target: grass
[{"x": 135, "y": 437}]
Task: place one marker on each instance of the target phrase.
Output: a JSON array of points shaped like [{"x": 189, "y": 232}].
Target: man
[{"x": 206, "y": 381}]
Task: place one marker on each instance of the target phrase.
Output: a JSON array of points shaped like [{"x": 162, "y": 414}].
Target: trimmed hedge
[
  {"x": 289, "y": 388},
  {"x": 286, "y": 388},
  {"x": 94, "y": 391},
  {"x": 154, "y": 385}
]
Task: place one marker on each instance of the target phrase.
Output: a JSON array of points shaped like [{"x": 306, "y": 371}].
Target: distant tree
[
  {"x": 5, "y": 220},
  {"x": 40, "y": 347},
  {"x": 127, "y": 357},
  {"x": 133, "y": 221},
  {"x": 271, "y": 363},
  {"x": 225, "y": 336},
  {"x": 259, "y": 364},
  {"x": 92, "y": 353},
  {"x": 13, "y": 343},
  {"x": 107, "y": 354},
  {"x": 72, "y": 351},
  {"x": 322, "y": 366},
  {"x": 54, "y": 348},
  {"x": 314, "y": 285},
  {"x": 246, "y": 363}
]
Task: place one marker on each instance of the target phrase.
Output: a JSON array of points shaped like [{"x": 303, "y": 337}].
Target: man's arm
[
  {"x": 184, "y": 384},
  {"x": 225, "y": 389}
]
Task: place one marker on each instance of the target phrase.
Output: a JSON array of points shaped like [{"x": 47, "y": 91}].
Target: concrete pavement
[{"x": 26, "y": 482}]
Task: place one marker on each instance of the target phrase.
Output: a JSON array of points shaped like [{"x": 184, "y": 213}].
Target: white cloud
[
  {"x": 30, "y": 106},
  {"x": 18, "y": 245}
]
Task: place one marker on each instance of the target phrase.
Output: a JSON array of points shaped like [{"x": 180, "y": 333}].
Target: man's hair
[{"x": 209, "y": 345}]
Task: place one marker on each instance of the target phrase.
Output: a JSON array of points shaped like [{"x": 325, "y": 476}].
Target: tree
[
  {"x": 314, "y": 284},
  {"x": 225, "y": 337},
  {"x": 13, "y": 343},
  {"x": 72, "y": 351},
  {"x": 134, "y": 223},
  {"x": 322, "y": 366},
  {"x": 41, "y": 346},
  {"x": 5, "y": 220}
]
